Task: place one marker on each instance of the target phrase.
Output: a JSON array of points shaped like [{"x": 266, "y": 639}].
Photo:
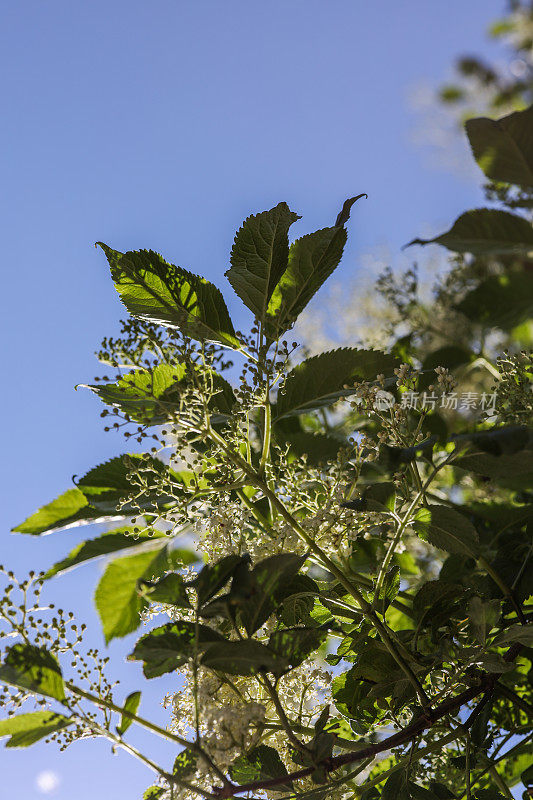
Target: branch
[{"x": 425, "y": 721}]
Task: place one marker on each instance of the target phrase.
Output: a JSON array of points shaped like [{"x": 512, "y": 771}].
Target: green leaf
[
  {"x": 483, "y": 616},
  {"x": 131, "y": 704},
  {"x": 396, "y": 787},
  {"x": 152, "y": 289},
  {"x": 213, "y": 577},
  {"x": 109, "y": 542},
  {"x": 311, "y": 261},
  {"x": 389, "y": 589},
  {"x": 296, "y": 644},
  {"x": 262, "y": 763},
  {"x": 168, "y": 647},
  {"x": 154, "y": 793},
  {"x": 67, "y": 511},
  {"x": 485, "y": 231},
  {"x": 259, "y": 256},
  {"x": 170, "y": 590},
  {"x": 33, "y": 668},
  {"x": 254, "y": 593},
  {"x": 185, "y": 764},
  {"x": 153, "y": 396},
  {"x": 244, "y": 657},
  {"x": 446, "y": 529},
  {"x": 501, "y": 301},
  {"x": 26, "y": 729},
  {"x": 117, "y": 598},
  {"x": 322, "y": 380},
  {"x": 503, "y": 147}
]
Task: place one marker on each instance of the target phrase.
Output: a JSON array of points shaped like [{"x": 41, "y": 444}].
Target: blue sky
[{"x": 163, "y": 125}]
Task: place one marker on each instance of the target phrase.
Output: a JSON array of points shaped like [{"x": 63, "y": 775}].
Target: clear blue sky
[{"x": 163, "y": 125}]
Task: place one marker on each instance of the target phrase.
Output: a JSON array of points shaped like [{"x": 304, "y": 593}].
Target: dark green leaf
[
  {"x": 296, "y": 644},
  {"x": 245, "y": 657},
  {"x": 259, "y": 256},
  {"x": 152, "y": 289},
  {"x": 254, "y": 593},
  {"x": 312, "y": 259},
  {"x": 328, "y": 377},
  {"x": 486, "y": 231},
  {"x": 389, "y": 589},
  {"x": 503, "y": 147},
  {"x": 213, "y": 577},
  {"x": 483, "y": 616},
  {"x": 446, "y": 529},
  {"x": 502, "y": 301},
  {"x": 396, "y": 787},
  {"x": 131, "y": 704},
  {"x": 154, "y": 793},
  {"x": 170, "y": 590},
  {"x": 185, "y": 764},
  {"x": 26, "y": 729},
  {"x": 260, "y": 764},
  {"x": 168, "y": 647},
  {"x": 117, "y": 598},
  {"x": 33, "y": 668}
]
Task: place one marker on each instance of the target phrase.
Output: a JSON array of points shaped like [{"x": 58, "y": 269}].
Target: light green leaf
[
  {"x": 168, "y": 647},
  {"x": 486, "y": 231},
  {"x": 67, "y": 511},
  {"x": 118, "y": 539},
  {"x": 446, "y": 529},
  {"x": 154, "y": 396},
  {"x": 323, "y": 379},
  {"x": 117, "y": 598},
  {"x": 26, "y": 729},
  {"x": 503, "y": 147},
  {"x": 152, "y": 289},
  {"x": 33, "y": 668},
  {"x": 259, "y": 256},
  {"x": 131, "y": 704}
]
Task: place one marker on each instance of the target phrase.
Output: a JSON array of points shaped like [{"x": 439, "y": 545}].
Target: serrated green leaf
[
  {"x": 483, "y": 616},
  {"x": 262, "y": 763},
  {"x": 131, "y": 704},
  {"x": 170, "y": 590},
  {"x": 501, "y": 301},
  {"x": 389, "y": 589},
  {"x": 168, "y": 647},
  {"x": 67, "y": 511},
  {"x": 296, "y": 644},
  {"x": 259, "y": 256},
  {"x": 244, "y": 657},
  {"x": 109, "y": 542},
  {"x": 253, "y": 593},
  {"x": 328, "y": 377},
  {"x": 446, "y": 529},
  {"x": 213, "y": 577},
  {"x": 26, "y": 729},
  {"x": 117, "y": 598},
  {"x": 33, "y": 668},
  {"x": 153, "y": 396},
  {"x": 485, "y": 231},
  {"x": 160, "y": 292},
  {"x": 311, "y": 261},
  {"x": 503, "y": 147},
  {"x": 185, "y": 764}
]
